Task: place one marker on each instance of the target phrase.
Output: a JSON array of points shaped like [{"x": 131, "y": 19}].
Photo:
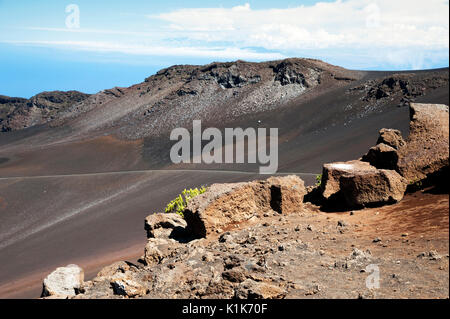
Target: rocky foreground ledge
[{"x": 272, "y": 238}]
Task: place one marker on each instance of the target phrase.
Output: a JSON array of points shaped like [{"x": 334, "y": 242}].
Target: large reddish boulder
[
  {"x": 376, "y": 187},
  {"x": 359, "y": 184},
  {"x": 224, "y": 205},
  {"x": 382, "y": 156}
]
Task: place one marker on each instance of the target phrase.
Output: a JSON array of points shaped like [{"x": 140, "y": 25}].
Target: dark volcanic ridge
[
  {"x": 19, "y": 113},
  {"x": 215, "y": 93}
]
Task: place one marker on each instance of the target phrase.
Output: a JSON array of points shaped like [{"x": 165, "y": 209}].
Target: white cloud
[
  {"x": 405, "y": 34},
  {"x": 353, "y": 23},
  {"x": 156, "y": 50}
]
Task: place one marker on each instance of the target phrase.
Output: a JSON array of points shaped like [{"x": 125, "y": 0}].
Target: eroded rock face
[
  {"x": 63, "y": 282},
  {"x": 164, "y": 225},
  {"x": 360, "y": 184},
  {"x": 224, "y": 205},
  {"x": 427, "y": 148},
  {"x": 391, "y": 137},
  {"x": 384, "y": 171},
  {"x": 377, "y": 187},
  {"x": 127, "y": 287},
  {"x": 382, "y": 156},
  {"x": 286, "y": 193},
  {"x": 157, "y": 249}
]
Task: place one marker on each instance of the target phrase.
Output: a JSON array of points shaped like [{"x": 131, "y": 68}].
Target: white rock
[{"x": 63, "y": 281}]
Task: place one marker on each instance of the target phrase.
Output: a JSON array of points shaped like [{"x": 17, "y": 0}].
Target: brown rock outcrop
[
  {"x": 360, "y": 184},
  {"x": 224, "y": 205},
  {"x": 286, "y": 256},
  {"x": 163, "y": 225},
  {"x": 427, "y": 148},
  {"x": 376, "y": 187},
  {"x": 391, "y": 137},
  {"x": 382, "y": 156},
  {"x": 423, "y": 159}
]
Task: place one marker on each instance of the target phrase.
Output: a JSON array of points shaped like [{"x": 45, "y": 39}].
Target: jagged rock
[
  {"x": 230, "y": 75},
  {"x": 360, "y": 184},
  {"x": 286, "y": 193},
  {"x": 164, "y": 224},
  {"x": 113, "y": 269},
  {"x": 63, "y": 282},
  {"x": 250, "y": 289},
  {"x": 224, "y": 205},
  {"x": 402, "y": 86},
  {"x": 127, "y": 287},
  {"x": 234, "y": 275},
  {"x": 287, "y": 74},
  {"x": 152, "y": 254},
  {"x": 391, "y": 137},
  {"x": 382, "y": 156},
  {"x": 426, "y": 152}
]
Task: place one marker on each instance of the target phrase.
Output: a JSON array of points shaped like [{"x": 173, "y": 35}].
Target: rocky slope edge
[
  {"x": 19, "y": 113},
  {"x": 262, "y": 239}
]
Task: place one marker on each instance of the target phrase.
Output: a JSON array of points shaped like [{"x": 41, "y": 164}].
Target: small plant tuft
[
  {"x": 415, "y": 184},
  {"x": 180, "y": 202},
  {"x": 318, "y": 179}
]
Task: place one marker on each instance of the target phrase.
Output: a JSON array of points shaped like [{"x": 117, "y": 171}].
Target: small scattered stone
[
  {"x": 226, "y": 237},
  {"x": 342, "y": 223}
]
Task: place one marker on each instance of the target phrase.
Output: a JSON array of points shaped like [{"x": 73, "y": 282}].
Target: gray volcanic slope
[{"x": 78, "y": 187}]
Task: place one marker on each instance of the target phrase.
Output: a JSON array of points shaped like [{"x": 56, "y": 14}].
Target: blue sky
[{"x": 45, "y": 47}]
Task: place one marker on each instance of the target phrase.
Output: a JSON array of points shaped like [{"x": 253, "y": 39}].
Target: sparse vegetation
[
  {"x": 180, "y": 202},
  {"x": 318, "y": 179},
  {"x": 415, "y": 184}
]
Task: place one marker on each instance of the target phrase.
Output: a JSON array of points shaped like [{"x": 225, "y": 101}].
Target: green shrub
[
  {"x": 415, "y": 183},
  {"x": 318, "y": 179},
  {"x": 180, "y": 202}
]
